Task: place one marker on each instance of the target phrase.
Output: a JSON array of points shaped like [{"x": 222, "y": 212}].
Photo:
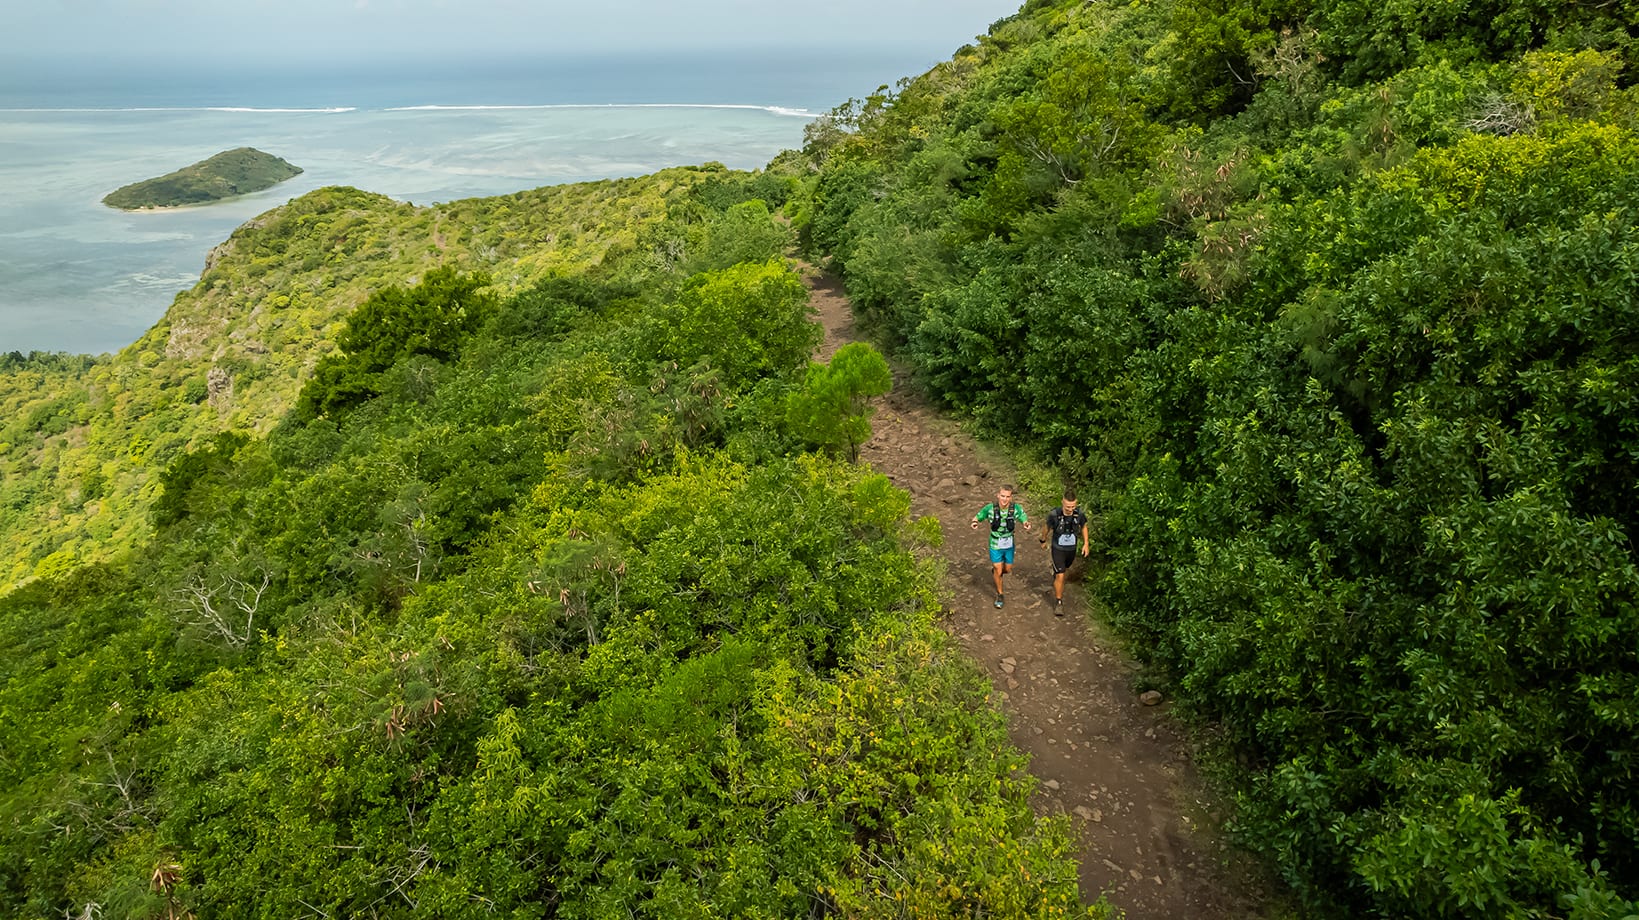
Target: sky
[{"x": 265, "y": 31}]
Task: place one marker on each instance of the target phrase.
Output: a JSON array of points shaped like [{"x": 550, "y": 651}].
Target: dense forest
[
  {"x": 519, "y": 605},
  {"x": 507, "y": 557},
  {"x": 1330, "y": 311}
]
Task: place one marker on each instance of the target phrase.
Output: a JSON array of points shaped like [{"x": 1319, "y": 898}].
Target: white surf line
[
  {"x": 772, "y": 109},
  {"x": 334, "y": 110},
  {"x": 782, "y": 110}
]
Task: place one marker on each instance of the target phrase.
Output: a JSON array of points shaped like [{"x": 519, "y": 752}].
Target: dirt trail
[{"x": 1117, "y": 767}]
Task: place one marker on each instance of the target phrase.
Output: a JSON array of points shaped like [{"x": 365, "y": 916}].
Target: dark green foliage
[
  {"x": 46, "y": 360},
  {"x": 549, "y": 309},
  {"x": 1370, "y": 41},
  {"x": 1349, "y": 369},
  {"x": 83, "y": 667},
  {"x": 431, "y": 319},
  {"x": 837, "y": 195},
  {"x": 179, "y": 479},
  {"x": 719, "y": 193},
  {"x": 510, "y": 635}
]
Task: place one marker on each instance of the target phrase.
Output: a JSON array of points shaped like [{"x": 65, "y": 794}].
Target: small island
[{"x": 228, "y": 174}]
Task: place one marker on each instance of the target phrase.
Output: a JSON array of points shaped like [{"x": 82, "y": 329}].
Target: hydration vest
[
  {"x": 1001, "y": 521},
  {"x": 1063, "y": 524}
]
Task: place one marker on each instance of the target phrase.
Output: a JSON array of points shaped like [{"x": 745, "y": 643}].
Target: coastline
[
  {"x": 190, "y": 206},
  {"x": 167, "y": 208},
  {"x": 96, "y": 297}
]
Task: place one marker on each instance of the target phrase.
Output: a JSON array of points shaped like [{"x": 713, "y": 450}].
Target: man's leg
[
  {"x": 996, "y": 575},
  {"x": 1061, "y": 569}
]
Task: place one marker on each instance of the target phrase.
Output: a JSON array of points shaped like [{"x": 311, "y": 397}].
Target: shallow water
[{"x": 76, "y": 275}]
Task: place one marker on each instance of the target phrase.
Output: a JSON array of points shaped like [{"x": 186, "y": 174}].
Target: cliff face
[{"x": 83, "y": 444}]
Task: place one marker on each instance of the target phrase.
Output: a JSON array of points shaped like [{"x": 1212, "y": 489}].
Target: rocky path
[{"x": 1116, "y": 766}]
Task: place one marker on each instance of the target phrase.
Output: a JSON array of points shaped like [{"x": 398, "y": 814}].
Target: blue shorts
[{"x": 1004, "y": 556}]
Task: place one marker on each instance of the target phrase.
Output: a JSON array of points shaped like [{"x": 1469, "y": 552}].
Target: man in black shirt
[{"x": 1066, "y": 530}]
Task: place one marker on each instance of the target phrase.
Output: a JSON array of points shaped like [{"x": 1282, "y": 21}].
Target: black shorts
[{"x": 1062, "y": 559}]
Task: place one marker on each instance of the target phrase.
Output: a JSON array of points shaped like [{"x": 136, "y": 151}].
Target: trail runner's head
[
  {"x": 1004, "y": 498},
  {"x": 1069, "y": 504}
]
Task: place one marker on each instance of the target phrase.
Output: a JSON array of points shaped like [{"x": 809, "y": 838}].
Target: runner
[
  {"x": 1066, "y": 529},
  {"x": 1003, "y": 514}
]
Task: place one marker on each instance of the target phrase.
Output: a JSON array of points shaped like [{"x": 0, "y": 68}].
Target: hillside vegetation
[
  {"x": 1330, "y": 311},
  {"x": 81, "y": 440},
  {"x": 493, "y": 582},
  {"x": 502, "y": 557},
  {"x": 228, "y": 174}
]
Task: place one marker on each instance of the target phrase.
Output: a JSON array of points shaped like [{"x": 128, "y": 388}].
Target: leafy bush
[
  {"x": 1344, "y": 365},
  {"x": 431, "y": 319},
  {"x": 513, "y": 635},
  {"x": 746, "y": 321},
  {"x": 831, "y": 411}
]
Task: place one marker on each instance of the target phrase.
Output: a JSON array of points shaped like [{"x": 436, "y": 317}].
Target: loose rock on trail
[{"x": 1113, "y": 762}]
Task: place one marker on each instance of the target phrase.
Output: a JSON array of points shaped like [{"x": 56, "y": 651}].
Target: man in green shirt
[{"x": 1003, "y": 515}]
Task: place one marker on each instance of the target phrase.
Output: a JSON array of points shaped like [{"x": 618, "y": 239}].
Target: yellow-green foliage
[
  {"x": 543, "y": 618},
  {"x": 232, "y": 352}
]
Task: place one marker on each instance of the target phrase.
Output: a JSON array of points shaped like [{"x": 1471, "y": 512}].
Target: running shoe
[{"x": 998, "y": 601}]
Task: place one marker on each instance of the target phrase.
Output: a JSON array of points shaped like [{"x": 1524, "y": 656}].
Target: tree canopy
[
  {"x": 1329, "y": 311},
  {"x": 523, "y": 603}
]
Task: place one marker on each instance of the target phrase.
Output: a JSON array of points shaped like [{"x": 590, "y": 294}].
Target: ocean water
[{"x": 78, "y": 276}]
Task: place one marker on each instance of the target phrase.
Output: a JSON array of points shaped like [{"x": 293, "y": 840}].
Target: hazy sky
[{"x": 301, "y": 29}]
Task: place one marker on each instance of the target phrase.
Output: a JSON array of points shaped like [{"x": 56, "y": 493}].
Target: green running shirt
[{"x": 1001, "y": 535}]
